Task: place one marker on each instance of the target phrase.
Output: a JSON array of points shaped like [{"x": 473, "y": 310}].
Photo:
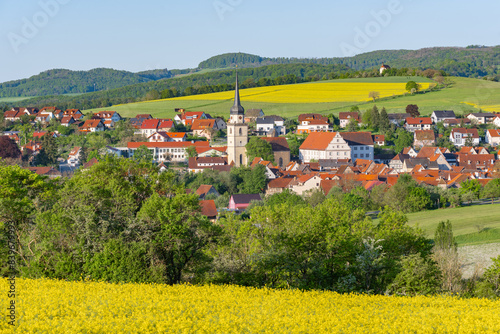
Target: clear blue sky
[{"x": 151, "y": 34}]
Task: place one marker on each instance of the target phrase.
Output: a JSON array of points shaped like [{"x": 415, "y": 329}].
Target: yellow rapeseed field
[
  {"x": 317, "y": 92},
  {"x": 48, "y": 306}
]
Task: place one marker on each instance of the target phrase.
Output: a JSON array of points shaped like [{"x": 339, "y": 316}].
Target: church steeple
[{"x": 237, "y": 109}]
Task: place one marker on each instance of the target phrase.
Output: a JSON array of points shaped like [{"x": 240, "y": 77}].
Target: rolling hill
[
  {"x": 473, "y": 61},
  {"x": 463, "y": 95}
]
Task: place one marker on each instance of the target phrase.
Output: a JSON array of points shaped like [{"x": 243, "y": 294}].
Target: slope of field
[
  {"x": 475, "y": 224},
  {"x": 464, "y": 95},
  {"x": 46, "y": 306}
]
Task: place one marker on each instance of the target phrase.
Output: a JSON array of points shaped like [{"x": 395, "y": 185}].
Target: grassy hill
[
  {"x": 463, "y": 95},
  {"x": 472, "y": 225}
]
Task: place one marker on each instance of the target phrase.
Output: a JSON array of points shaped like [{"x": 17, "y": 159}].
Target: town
[{"x": 312, "y": 154}]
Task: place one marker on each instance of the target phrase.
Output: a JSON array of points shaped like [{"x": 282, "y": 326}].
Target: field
[
  {"x": 13, "y": 99},
  {"x": 478, "y": 224},
  {"x": 48, "y": 306},
  {"x": 331, "y": 96}
]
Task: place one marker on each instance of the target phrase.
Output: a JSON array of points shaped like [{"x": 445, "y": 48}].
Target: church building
[{"x": 237, "y": 132}]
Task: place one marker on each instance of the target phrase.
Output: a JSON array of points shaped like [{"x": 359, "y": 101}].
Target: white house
[
  {"x": 268, "y": 123},
  {"x": 442, "y": 115},
  {"x": 167, "y": 151},
  {"x": 481, "y": 118},
  {"x": 418, "y": 123},
  {"x": 345, "y": 118},
  {"x": 459, "y": 136},
  {"x": 493, "y": 137},
  {"x": 337, "y": 145}
]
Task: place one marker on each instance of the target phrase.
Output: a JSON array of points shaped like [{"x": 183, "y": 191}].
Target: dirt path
[{"x": 477, "y": 258}]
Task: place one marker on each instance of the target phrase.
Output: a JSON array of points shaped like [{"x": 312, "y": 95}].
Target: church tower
[{"x": 237, "y": 132}]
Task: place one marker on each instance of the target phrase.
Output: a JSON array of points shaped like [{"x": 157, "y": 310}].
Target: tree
[
  {"x": 492, "y": 189},
  {"x": 49, "y": 153},
  {"x": 404, "y": 139},
  {"x": 143, "y": 153},
  {"x": 492, "y": 274},
  {"x": 446, "y": 256},
  {"x": 22, "y": 194},
  {"x": 191, "y": 152},
  {"x": 8, "y": 148},
  {"x": 352, "y": 126},
  {"x": 354, "y": 109},
  {"x": 374, "y": 95},
  {"x": 384, "y": 122},
  {"x": 412, "y": 109},
  {"x": 471, "y": 186},
  {"x": 418, "y": 276},
  {"x": 177, "y": 233},
  {"x": 412, "y": 85},
  {"x": 258, "y": 147},
  {"x": 375, "y": 118}
]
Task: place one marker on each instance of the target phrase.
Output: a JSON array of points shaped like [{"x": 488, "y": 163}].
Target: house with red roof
[
  {"x": 188, "y": 117},
  {"x": 199, "y": 164},
  {"x": 50, "y": 172},
  {"x": 204, "y": 128},
  {"x": 305, "y": 184},
  {"x": 345, "y": 118},
  {"x": 108, "y": 116},
  {"x": 209, "y": 209},
  {"x": 206, "y": 189},
  {"x": 67, "y": 120},
  {"x": 167, "y": 151},
  {"x": 463, "y": 136},
  {"x": 74, "y": 156},
  {"x": 493, "y": 137},
  {"x": 418, "y": 123},
  {"x": 424, "y": 138},
  {"x": 379, "y": 140},
  {"x": 337, "y": 145},
  {"x": 167, "y": 136},
  {"x": 92, "y": 125}
]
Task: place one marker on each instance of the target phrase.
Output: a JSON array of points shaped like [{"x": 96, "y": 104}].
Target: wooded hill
[{"x": 472, "y": 61}]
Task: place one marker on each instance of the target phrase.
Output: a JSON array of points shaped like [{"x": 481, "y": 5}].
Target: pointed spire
[{"x": 237, "y": 108}]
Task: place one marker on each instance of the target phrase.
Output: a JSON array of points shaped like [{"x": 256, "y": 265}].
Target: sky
[{"x": 38, "y": 35}]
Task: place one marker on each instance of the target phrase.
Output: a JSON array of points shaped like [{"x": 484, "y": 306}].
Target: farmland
[
  {"x": 89, "y": 307},
  {"x": 471, "y": 225},
  {"x": 463, "y": 95}
]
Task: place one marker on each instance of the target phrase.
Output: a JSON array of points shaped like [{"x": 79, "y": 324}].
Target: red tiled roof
[
  {"x": 150, "y": 124},
  {"x": 91, "y": 123},
  {"x": 494, "y": 132},
  {"x": 318, "y": 140},
  {"x": 281, "y": 182},
  {"x": 349, "y": 115},
  {"x": 208, "y": 208},
  {"x": 203, "y": 189},
  {"x": 472, "y": 132},
  {"x": 201, "y": 124},
  {"x": 418, "y": 120},
  {"x": 425, "y": 135}
]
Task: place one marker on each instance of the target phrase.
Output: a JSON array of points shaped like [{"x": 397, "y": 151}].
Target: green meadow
[{"x": 463, "y": 95}]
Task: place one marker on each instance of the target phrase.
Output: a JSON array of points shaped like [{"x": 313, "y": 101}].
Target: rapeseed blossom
[{"x": 50, "y": 306}]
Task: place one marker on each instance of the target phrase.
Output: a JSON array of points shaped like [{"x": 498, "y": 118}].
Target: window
[
  {"x": 240, "y": 132},
  {"x": 230, "y": 131},
  {"x": 241, "y": 158}
]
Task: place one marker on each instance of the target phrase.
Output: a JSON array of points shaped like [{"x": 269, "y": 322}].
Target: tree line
[{"x": 124, "y": 221}]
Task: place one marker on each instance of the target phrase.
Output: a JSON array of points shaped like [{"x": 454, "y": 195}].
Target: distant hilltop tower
[
  {"x": 237, "y": 132},
  {"x": 383, "y": 68}
]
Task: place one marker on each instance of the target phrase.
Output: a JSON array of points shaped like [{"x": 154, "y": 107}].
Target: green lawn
[
  {"x": 471, "y": 225},
  {"x": 461, "y": 96}
]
